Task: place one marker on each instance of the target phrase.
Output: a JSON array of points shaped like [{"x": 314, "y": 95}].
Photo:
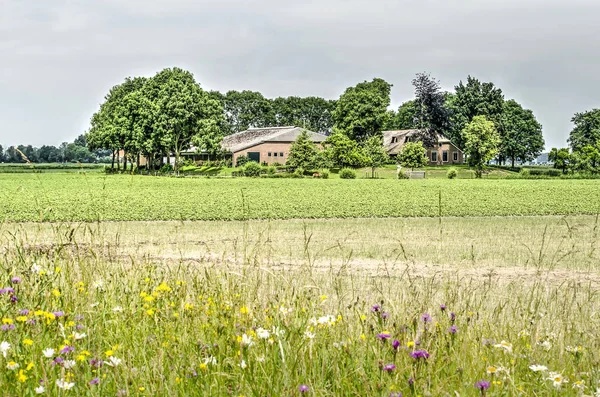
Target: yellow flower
[
  {"x": 21, "y": 377},
  {"x": 56, "y": 293},
  {"x": 148, "y": 298},
  {"x": 80, "y": 357},
  {"x": 244, "y": 310},
  {"x": 163, "y": 287},
  {"x": 178, "y": 380},
  {"x": 363, "y": 317},
  {"x": 188, "y": 306},
  {"x": 21, "y": 319},
  {"x": 27, "y": 342},
  {"x": 323, "y": 298},
  {"x": 7, "y": 321},
  {"x": 29, "y": 366},
  {"x": 410, "y": 344},
  {"x": 38, "y": 312},
  {"x": 150, "y": 312},
  {"x": 176, "y": 315},
  {"x": 363, "y": 337},
  {"x": 71, "y": 324},
  {"x": 179, "y": 282},
  {"x": 492, "y": 370},
  {"x": 141, "y": 388},
  {"x": 57, "y": 269},
  {"x": 203, "y": 367},
  {"x": 109, "y": 353}
]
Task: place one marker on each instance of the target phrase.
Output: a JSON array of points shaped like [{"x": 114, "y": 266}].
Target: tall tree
[
  {"x": 474, "y": 99},
  {"x": 312, "y": 113},
  {"x": 520, "y": 134},
  {"x": 405, "y": 117},
  {"x": 361, "y": 111},
  {"x": 431, "y": 115},
  {"x": 586, "y": 130},
  {"x": 342, "y": 151},
  {"x": 481, "y": 142},
  {"x": 561, "y": 158},
  {"x": 1, "y": 154},
  {"x": 246, "y": 109},
  {"x": 303, "y": 153},
  {"x": 374, "y": 153}
]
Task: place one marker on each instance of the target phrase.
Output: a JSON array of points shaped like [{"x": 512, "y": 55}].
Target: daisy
[
  {"x": 62, "y": 384},
  {"x": 39, "y": 390},
  {"x": 4, "y": 348},
  {"x": 538, "y": 368},
  {"x": 504, "y": 345}
]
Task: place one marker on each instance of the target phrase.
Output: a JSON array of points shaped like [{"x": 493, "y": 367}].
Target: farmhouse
[
  {"x": 266, "y": 145},
  {"x": 444, "y": 153}
]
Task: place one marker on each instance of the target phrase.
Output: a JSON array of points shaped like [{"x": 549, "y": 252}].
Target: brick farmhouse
[{"x": 444, "y": 153}]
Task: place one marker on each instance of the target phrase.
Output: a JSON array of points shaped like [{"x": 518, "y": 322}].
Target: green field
[{"x": 90, "y": 197}]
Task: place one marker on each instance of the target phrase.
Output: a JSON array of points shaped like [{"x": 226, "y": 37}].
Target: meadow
[{"x": 96, "y": 197}]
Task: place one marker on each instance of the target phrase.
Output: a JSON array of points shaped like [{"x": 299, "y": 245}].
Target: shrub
[
  {"x": 524, "y": 172},
  {"x": 241, "y": 161},
  {"x": 271, "y": 170},
  {"x": 402, "y": 174},
  {"x": 347, "y": 173},
  {"x": 452, "y": 173},
  {"x": 252, "y": 169},
  {"x": 299, "y": 172},
  {"x": 166, "y": 168},
  {"x": 325, "y": 175}
]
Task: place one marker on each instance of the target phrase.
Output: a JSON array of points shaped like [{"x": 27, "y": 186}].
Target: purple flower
[
  {"x": 79, "y": 327},
  {"x": 96, "y": 363},
  {"x": 420, "y": 354},
  {"x": 384, "y": 335},
  {"x": 389, "y": 367},
  {"x": 7, "y": 290},
  {"x": 394, "y": 394},
  {"x": 303, "y": 388},
  {"x": 482, "y": 385},
  {"x": 453, "y": 329},
  {"x": 94, "y": 381},
  {"x": 15, "y": 280},
  {"x": 426, "y": 318},
  {"x": 452, "y": 316},
  {"x": 384, "y": 315},
  {"x": 375, "y": 308},
  {"x": 411, "y": 382},
  {"x": 67, "y": 349},
  {"x": 24, "y": 312},
  {"x": 78, "y": 317},
  {"x": 31, "y": 321},
  {"x": 58, "y": 361},
  {"x": 443, "y": 307},
  {"x": 7, "y": 327},
  {"x": 396, "y": 344},
  {"x": 14, "y": 299},
  {"x": 59, "y": 313}
]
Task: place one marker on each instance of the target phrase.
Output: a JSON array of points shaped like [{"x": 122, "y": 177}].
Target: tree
[
  {"x": 587, "y": 159},
  {"x": 343, "y": 151},
  {"x": 303, "y": 153},
  {"x": 431, "y": 115},
  {"x": 361, "y": 111},
  {"x": 375, "y": 154},
  {"x": 481, "y": 142},
  {"x": 586, "y": 130},
  {"x": 405, "y": 117},
  {"x": 561, "y": 158},
  {"x": 474, "y": 99},
  {"x": 312, "y": 113},
  {"x": 1, "y": 154},
  {"x": 12, "y": 156},
  {"x": 521, "y": 134},
  {"x": 413, "y": 155},
  {"x": 48, "y": 154},
  {"x": 246, "y": 109}
]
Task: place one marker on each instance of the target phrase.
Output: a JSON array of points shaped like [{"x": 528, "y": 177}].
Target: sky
[{"x": 59, "y": 58}]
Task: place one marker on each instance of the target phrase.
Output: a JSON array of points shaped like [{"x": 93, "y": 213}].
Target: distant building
[
  {"x": 266, "y": 145},
  {"x": 444, "y": 153}
]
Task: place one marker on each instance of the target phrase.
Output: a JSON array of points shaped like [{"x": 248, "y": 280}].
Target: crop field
[{"x": 93, "y": 197}]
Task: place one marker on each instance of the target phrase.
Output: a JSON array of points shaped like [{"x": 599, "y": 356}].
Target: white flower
[
  {"x": 538, "y": 368},
  {"x": 557, "y": 379},
  {"x": 35, "y": 269},
  {"x": 580, "y": 384},
  {"x": 48, "y": 353},
  {"x": 78, "y": 336},
  {"x": 261, "y": 359},
  {"x": 4, "y": 348},
  {"x": 284, "y": 310},
  {"x": 243, "y": 364},
  {"x": 597, "y": 393},
  {"x": 113, "y": 361},
  {"x": 39, "y": 390},
  {"x": 524, "y": 334},
  {"x": 309, "y": 335},
  {"x": 98, "y": 284},
  {"x": 68, "y": 364},
  {"x": 330, "y": 320},
  {"x": 504, "y": 345},
  {"x": 12, "y": 365},
  {"x": 263, "y": 333},
  {"x": 210, "y": 360},
  {"x": 117, "y": 309},
  {"x": 62, "y": 384},
  {"x": 574, "y": 349},
  {"x": 546, "y": 345},
  {"x": 95, "y": 304},
  {"x": 247, "y": 340},
  {"x": 278, "y": 332}
]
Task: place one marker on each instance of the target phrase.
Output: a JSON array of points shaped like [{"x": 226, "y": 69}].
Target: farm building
[
  {"x": 444, "y": 153},
  {"x": 266, "y": 145}
]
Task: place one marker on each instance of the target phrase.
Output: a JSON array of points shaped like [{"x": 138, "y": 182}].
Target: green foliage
[
  {"x": 298, "y": 172},
  {"x": 361, "y": 112},
  {"x": 452, "y": 173},
  {"x": 431, "y": 114},
  {"x": 481, "y": 142},
  {"x": 312, "y": 113},
  {"x": 413, "y": 155},
  {"x": 375, "y": 154},
  {"x": 303, "y": 153},
  {"x": 324, "y": 174},
  {"x": 241, "y": 161},
  {"x": 252, "y": 169},
  {"x": 271, "y": 170},
  {"x": 166, "y": 168},
  {"x": 520, "y": 134},
  {"x": 347, "y": 173},
  {"x": 586, "y": 130},
  {"x": 404, "y": 119},
  {"x": 401, "y": 174},
  {"x": 561, "y": 158},
  {"x": 341, "y": 151}
]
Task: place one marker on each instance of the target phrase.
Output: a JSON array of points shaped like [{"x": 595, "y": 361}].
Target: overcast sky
[{"x": 59, "y": 58}]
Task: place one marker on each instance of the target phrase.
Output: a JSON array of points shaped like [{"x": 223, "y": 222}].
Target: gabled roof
[
  {"x": 255, "y": 136},
  {"x": 403, "y": 136}
]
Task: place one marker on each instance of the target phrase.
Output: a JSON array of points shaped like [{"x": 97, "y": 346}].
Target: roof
[
  {"x": 255, "y": 136},
  {"x": 402, "y": 137}
]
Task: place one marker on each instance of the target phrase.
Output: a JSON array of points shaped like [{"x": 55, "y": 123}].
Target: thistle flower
[
  {"x": 384, "y": 315},
  {"x": 426, "y": 318},
  {"x": 482, "y": 385},
  {"x": 389, "y": 367},
  {"x": 384, "y": 335},
  {"x": 67, "y": 349},
  {"x": 453, "y": 329},
  {"x": 452, "y": 317},
  {"x": 94, "y": 363},
  {"x": 396, "y": 344},
  {"x": 375, "y": 308},
  {"x": 303, "y": 388},
  {"x": 443, "y": 307},
  {"x": 94, "y": 381},
  {"x": 417, "y": 354},
  {"x": 15, "y": 280}
]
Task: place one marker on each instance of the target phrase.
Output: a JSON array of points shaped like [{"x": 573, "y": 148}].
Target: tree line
[
  {"x": 583, "y": 153},
  {"x": 76, "y": 151}
]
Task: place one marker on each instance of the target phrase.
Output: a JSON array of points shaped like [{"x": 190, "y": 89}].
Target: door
[{"x": 254, "y": 156}]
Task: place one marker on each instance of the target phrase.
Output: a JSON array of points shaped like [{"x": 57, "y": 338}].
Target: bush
[
  {"x": 402, "y": 174},
  {"x": 347, "y": 173},
  {"x": 452, "y": 173},
  {"x": 252, "y": 169},
  {"x": 325, "y": 175},
  {"x": 165, "y": 169},
  {"x": 271, "y": 170},
  {"x": 241, "y": 161},
  {"x": 524, "y": 172},
  {"x": 299, "y": 172}
]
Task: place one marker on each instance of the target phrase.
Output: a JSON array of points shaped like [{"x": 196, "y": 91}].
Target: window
[
  {"x": 434, "y": 156},
  {"x": 455, "y": 156},
  {"x": 269, "y": 155},
  {"x": 275, "y": 154},
  {"x": 445, "y": 156},
  {"x": 394, "y": 139},
  {"x": 281, "y": 154}
]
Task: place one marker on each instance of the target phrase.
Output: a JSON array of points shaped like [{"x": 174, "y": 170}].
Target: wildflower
[
  {"x": 12, "y": 365},
  {"x": 580, "y": 384},
  {"x": 21, "y": 319},
  {"x": 395, "y": 394},
  {"x": 117, "y": 309},
  {"x": 62, "y": 384},
  {"x": 247, "y": 340},
  {"x": 452, "y": 316},
  {"x": 48, "y": 353},
  {"x": 68, "y": 364},
  {"x": 98, "y": 284},
  {"x": 15, "y": 280},
  {"x": 326, "y": 320},
  {"x": 58, "y": 360},
  {"x": 243, "y": 310},
  {"x": 384, "y": 315},
  {"x": 426, "y": 318},
  {"x": 278, "y": 332},
  {"x": 40, "y": 390},
  {"x": 24, "y": 312},
  {"x": 384, "y": 335},
  {"x": 538, "y": 368},
  {"x": 524, "y": 334},
  {"x": 243, "y": 364},
  {"x": 94, "y": 381},
  {"x": 443, "y": 307},
  {"x": 29, "y": 366},
  {"x": 375, "y": 308},
  {"x": 389, "y": 367},
  {"x": 309, "y": 335},
  {"x": 210, "y": 360},
  {"x": 557, "y": 379},
  {"x": 78, "y": 336},
  {"x": 574, "y": 349},
  {"x": 56, "y": 293},
  {"x": 303, "y": 389},
  {"x": 113, "y": 361},
  {"x": 504, "y": 345},
  {"x": 492, "y": 370},
  {"x": 263, "y": 333},
  {"x": 7, "y": 327},
  {"x": 482, "y": 385},
  {"x": 546, "y": 345},
  {"x": 453, "y": 329},
  {"x": 94, "y": 363},
  {"x": 396, "y": 344},
  {"x": 21, "y": 377},
  {"x": 284, "y": 310},
  {"x": 420, "y": 354},
  {"x": 67, "y": 349}
]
